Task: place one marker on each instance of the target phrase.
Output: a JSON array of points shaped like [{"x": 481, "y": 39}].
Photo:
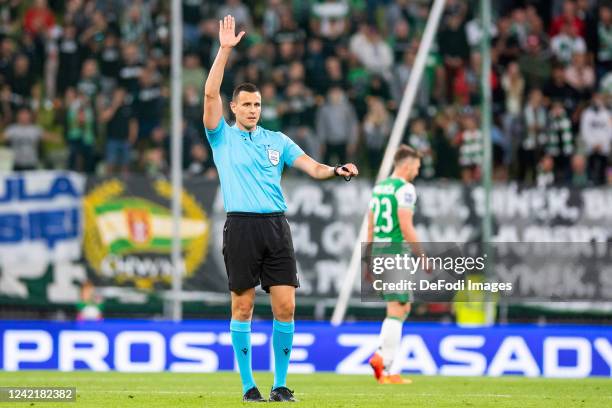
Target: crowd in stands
[{"x": 84, "y": 84}]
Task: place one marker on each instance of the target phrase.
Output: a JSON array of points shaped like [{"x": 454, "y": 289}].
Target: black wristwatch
[{"x": 339, "y": 166}]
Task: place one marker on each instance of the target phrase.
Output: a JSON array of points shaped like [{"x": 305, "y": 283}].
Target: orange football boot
[
  {"x": 394, "y": 379},
  {"x": 376, "y": 362}
]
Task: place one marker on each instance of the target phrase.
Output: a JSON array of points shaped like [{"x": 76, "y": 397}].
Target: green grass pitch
[{"x": 315, "y": 390}]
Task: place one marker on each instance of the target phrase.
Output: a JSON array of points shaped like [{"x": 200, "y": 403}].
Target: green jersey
[{"x": 388, "y": 196}]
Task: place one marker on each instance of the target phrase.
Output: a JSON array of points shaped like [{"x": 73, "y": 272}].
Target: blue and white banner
[
  {"x": 41, "y": 230},
  {"x": 205, "y": 346}
]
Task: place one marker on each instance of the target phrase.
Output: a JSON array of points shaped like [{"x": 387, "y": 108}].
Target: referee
[{"x": 257, "y": 246}]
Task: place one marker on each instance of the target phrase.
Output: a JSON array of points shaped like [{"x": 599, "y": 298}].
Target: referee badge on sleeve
[{"x": 274, "y": 156}]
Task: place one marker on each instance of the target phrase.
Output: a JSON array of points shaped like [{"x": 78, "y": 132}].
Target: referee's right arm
[{"x": 213, "y": 108}]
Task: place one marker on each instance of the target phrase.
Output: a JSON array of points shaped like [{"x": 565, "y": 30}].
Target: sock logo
[
  {"x": 244, "y": 350},
  {"x": 286, "y": 350}
]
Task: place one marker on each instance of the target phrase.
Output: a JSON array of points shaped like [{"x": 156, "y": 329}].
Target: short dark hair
[
  {"x": 404, "y": 152},
  {"x": 246, "y": 87}
]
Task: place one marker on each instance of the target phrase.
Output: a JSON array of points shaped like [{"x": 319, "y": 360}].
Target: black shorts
[{"x": 257, "y": 249}]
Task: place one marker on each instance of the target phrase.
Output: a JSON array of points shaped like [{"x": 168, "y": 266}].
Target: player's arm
[
  {"x": 405, "y": 216},
  {"x": 213, "y": 108},
  {"x": 322, "y": 171},
  {"x": 406, "y": 200}
]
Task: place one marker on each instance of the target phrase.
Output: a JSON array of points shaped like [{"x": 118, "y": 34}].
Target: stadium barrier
[{"x": 205, "y": 346}]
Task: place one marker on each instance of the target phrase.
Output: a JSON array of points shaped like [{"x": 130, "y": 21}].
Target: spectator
[
  {"x": 69, "y": 59},
  {"x": 289, "y": 31},
  {"x": 24, "y": 138},
  {"x": 121, "y": 132},
  {"x": 474, "y": 32},
  {"x": 136, "y": 23},
  {"x": 434, "y": 76},
  {"x": 501, "y": 146},
  {"x": 329, "y": 18},
  {"x": 376, "y": 129},
  {"x": 333, "y": 76},
  {"x": 596, "y": 135},
  {"x": 7, "y": 54},
  {"x": 156, "y": 154},
  {"x": 80, "y": 131},
  {"x": 6, "y": 98},
  {"x": 535, "y": 63},
  {"x": 149, "y": 103},
  {"x": 9, "y": 17},
  {"x": 313, "y": 61},
  {"x": 401, "y": 41},
  {"x": 580, "y": 76},
  {"x": 470, "y": 149},
  {"x": 567, "y": 43},
  {"x": 206, "y": 46},
  {"x": 109, "y": 60},
  {"x": 546, "y": 172},
  {"x": 271, "y": 108},
  {"x": 557, "y": 89},
  {"x": 560, "y": 143},
  {"x": 201, "y": 163},
  {"x": 192, "y": 15},
  {"x": 536, "y": 120},
  {"x": 444, "y": 145},
  {"x": 420, "y": 140},
  {"x": 466, "y": 85},
  {"x": 38, "y": 18},
  {"x": 239, "y": 11},
  {"x": 304, "y": 137},
  {"x": 513, "y": 85},
  {"x": 507, "y": 45},
  {"x": 579, "y": 171},
  {"x": 91, "y": 305},
  {"x": 604, "y": 40},
  {"x": 131, "y": 68},
  {"x": 93, "y": 36},
  {"x": 298, "y": 105},
  {"x": 337, "y": 127},
  {"x": 371, "y": 51},
  {"x": 21, "y": 81},
  {"x": 271, "y": 18},
  {"x": 89, "y": 83},
  {"x": 568, "y": 17},
  {"x": 192, "y": 72},
  {"x": 192, "y": 108},
  {"x": 453, "y": 47},
  {"x": 378, "y": 87}
]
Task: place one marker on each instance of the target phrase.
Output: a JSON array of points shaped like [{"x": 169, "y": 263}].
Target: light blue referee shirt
[{"x": 250, "y": 165}]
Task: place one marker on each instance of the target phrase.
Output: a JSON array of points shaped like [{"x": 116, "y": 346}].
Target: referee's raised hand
[{"x": 227, "y": 32}]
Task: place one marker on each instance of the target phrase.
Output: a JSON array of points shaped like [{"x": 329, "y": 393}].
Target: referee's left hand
[{"x": 348, "y": 170}]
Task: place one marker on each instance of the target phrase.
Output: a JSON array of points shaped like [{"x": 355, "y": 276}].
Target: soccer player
[
  {"x": 257, "y": 245},
  {"x": 390, "y": 220}
]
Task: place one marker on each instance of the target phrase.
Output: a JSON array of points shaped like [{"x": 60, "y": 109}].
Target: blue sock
[
  {"x": 282, "y": 342},
  {"x": 241, "y": 342}
]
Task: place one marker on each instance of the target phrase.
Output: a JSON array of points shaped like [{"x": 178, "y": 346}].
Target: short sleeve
[
  {"x": 215, "y": 136},
  {"x": 291, "y": 151},
  {"x": 406, "y": 196}
]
